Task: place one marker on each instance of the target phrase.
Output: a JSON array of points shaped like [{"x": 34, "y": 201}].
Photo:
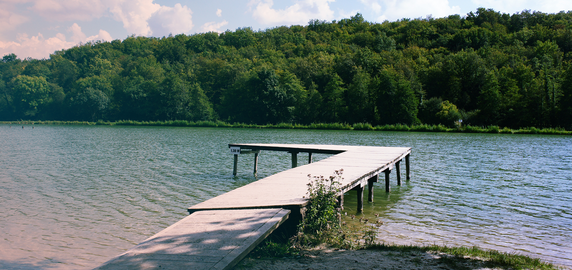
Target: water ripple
[{"x": 75, "y": 196}]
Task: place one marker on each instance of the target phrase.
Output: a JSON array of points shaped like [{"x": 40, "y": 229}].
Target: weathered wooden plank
[{"x": 203, "y": 240}]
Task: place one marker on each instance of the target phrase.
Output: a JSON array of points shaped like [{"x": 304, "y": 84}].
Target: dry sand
[{"x": 324, "y": 258}]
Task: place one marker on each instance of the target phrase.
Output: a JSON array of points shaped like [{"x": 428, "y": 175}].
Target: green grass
[
  {"x": 453, "y": 257},
  {"x": 324, "y": 126},
  {"x": 458, "y": 256}
]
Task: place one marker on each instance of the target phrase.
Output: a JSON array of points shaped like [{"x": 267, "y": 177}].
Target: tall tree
[
  {"x": 396, "y": 101},
  {"x": 30, "y": 94}
]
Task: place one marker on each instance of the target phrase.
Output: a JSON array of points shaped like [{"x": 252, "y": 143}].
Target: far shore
[{"x": 316, "y": 126}]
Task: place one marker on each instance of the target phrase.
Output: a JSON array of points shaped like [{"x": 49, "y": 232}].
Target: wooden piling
[
  {"x": 407, "y": 172},
  {"x": 387, "y": 187},
  {"x": 255, "y": 162},
  {"x": 309, "y": 157},
  {"x": 234, "y": 169},
  {"x": 398, "y": 172},
  {"x": 359, "y": 190},
  {"x": 294, "y": 159},
  {"x": 370, "y": 187}
]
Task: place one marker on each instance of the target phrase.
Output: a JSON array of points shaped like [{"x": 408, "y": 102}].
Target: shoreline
[
  {"x": 388, "y": 257},
  {"x": 315, "y": 126}
]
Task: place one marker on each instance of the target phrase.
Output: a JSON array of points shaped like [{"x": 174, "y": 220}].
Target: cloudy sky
[{"x": 37, "y": 28}]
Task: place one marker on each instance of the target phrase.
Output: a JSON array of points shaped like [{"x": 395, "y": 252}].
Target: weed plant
[{"x": 322, "y": 215}]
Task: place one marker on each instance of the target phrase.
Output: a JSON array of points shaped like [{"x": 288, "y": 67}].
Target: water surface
[{"x": 75, "y": 196}]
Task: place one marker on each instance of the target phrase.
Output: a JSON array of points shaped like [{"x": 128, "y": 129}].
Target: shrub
[{"x": 322, "y": 215}]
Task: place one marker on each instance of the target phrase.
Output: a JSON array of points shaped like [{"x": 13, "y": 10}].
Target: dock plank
[{"x": 203, "y": 240}]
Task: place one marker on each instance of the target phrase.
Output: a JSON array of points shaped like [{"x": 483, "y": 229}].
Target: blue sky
[{"x": 37, "y": 28}]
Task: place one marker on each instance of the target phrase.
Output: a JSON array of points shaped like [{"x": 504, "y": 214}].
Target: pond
[{"x": 76, "y": 196}]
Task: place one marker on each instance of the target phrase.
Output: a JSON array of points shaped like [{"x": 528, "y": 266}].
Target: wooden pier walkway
[
  {"x": 361, "y": 165},
  {"x": 203, "y": 240},
  {"x": 219, "y": 232}
]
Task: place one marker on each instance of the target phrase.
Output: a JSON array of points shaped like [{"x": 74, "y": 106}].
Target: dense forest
[{"x": 485, "y": 68}]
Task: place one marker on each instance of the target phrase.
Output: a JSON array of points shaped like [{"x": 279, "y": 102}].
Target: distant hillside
[{"x": 486, "y": 68}]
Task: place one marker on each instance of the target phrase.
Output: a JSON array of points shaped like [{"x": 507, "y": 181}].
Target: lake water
[{"x": 73, "y": 197}]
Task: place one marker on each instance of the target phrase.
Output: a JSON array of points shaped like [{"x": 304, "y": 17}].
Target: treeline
[{"x": 484, "y": 69}]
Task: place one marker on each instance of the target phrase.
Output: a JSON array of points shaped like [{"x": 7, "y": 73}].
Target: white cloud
[
  {"x": 372, "y": 4},
  {"x": 143, "y": 17},
  {"x": 70, "y": 10},
  {"x": 9, "y": 20},
  {"x": 213, "y": 26},
  {"x": 171, "y": 20},
  {"x": 513, "y": 6},
  {"x": 134, "y": 15},
  {"x": 102, "y": 35},
  {"x": 300, "y": 13},
  {"x": 77, "y": 35},
  {"x": 342, "y": 14},
  {"x": 139, "y": 17},
  {"x": 218, "y": 12},
  {"x": 394, "y": 10},
  {"x": 35, "y": 46},
  {"x": 39, "y": 47}
]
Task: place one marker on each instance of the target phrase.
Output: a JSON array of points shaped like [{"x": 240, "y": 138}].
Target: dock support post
[
  {"x": 407, "y": 172},
  {"x": 387, "y": 188},
  {"x": 309, "y": 157},
  {"x": 294, "y": 159},
  {"x": 398, "y": 172},
  {"x": 234, "y": 169},
  {"x": 370, "y": 187},
  {"x": 359, "y": 190},
  {"x": 255, "y": 162}
]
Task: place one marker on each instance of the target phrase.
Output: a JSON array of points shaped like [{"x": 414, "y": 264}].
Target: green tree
[
  {"x": 138, "y": 93},
  {"x": 30, "y": 94},
  {"x": 436, "y": 111},
  {"x": 360, "y": 105},
  {"x": 396, "y": 101},
  {"x": 310, "y": 106},
  {"x": 181, "y": 100},
  {"x": 258, "y": 97},
  {"x": 334, "y": 107},
  {"x": 489, "y": 101},
  {"x": 90, "y": 101},
  {"x": 566, "y": 101}
]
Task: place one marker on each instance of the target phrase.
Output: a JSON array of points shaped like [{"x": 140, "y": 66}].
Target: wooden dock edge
[
  {"x": 238, "y": 254},
  {"x": 216, "y": 239},
  {"x": 363, "y": 180}
]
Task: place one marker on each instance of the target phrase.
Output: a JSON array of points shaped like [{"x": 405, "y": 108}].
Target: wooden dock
[
  {"x": 361, "y": 165},
  {"x": 203, "y": 240},
  {"x": 219, "y": 232}
]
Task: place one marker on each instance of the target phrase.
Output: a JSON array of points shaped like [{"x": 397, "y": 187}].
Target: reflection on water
[{"x": 75, "y": 196}]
